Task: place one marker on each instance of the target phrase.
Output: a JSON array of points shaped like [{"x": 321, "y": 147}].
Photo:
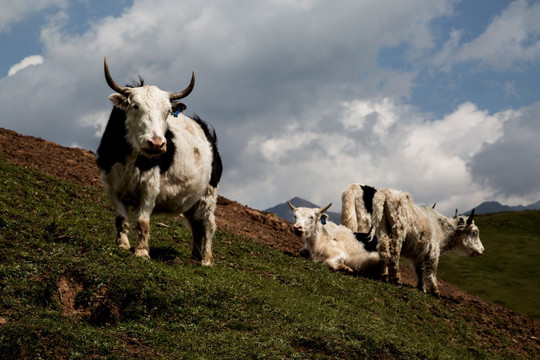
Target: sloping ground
[{"x": 252, "y": 225}]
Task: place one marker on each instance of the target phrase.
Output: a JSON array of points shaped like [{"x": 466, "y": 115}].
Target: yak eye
[{"x": 135, "y": 107}]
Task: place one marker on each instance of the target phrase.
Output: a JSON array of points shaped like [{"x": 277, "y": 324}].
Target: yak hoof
[
  {"x": 142, "y": 253},
  {"x": 123, "y": 242},
  {"x": 207, "y": 261},
  {"x": 395, "y": 279}
]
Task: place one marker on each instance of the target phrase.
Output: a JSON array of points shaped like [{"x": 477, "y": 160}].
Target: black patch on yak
[
  {"x": 367, "y": 197},
  {"x": 369, "y": 244},
  {"x": 217, "y": 165},
  {"x": 114, "y": 147}
]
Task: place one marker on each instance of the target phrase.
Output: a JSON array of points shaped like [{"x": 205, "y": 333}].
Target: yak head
[
  {"x": 468, "y": 236},
  {"x": 307, "y": 219},
  {"x": 147, "y": 109}
]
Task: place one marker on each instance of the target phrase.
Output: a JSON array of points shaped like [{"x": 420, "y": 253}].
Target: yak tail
[{"x": 349, "y": 218}]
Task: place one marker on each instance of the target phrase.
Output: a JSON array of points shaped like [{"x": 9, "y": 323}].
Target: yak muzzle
[
  {"x": 477, "y": 253},
  {"x": 155, "y": 147}
]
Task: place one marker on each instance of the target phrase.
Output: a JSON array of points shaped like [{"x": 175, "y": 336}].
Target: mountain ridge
[
  {"x": 283, "y": 210},
  {"x": 491, "y": 207}
]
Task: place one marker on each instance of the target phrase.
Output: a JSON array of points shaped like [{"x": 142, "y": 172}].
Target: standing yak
[{"x": 153, "y": 158}]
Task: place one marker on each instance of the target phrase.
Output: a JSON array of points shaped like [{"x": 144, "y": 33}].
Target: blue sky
[{"x": 439, "y": 98}]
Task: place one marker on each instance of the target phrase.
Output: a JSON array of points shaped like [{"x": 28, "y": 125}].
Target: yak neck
[
  {"x": 315, "y": 239},
  {"x": 450, "y": 234}
]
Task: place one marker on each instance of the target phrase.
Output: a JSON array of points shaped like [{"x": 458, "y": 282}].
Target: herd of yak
[{"x": 154, "y": 158}]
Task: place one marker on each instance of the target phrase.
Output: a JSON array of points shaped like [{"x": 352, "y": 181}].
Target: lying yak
[{"x": 333, "y": 245}]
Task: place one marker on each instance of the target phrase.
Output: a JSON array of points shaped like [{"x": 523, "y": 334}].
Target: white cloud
[
  {"x": 511, "y": 38},
  {"x": 508, "y": 165},
  {"x": 97, "y": 120},
  {"x": 385, "y": 144},
  {"x": 15, "y": 11},
  {"x": 293, "y": 88},
  {"x": 24, "y": 63}
]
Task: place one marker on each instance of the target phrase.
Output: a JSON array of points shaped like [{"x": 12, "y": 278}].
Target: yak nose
[
  {"x": 156, "y": 145},
  {"x": 478, "y": 252}
]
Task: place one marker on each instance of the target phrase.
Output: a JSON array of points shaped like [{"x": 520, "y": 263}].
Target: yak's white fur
[
  {"x": 420, "y": 234},
  {"x": 353, "y": 210},
  {"x": 183, "y": 187},
  {"x": 333, "y": 245}
]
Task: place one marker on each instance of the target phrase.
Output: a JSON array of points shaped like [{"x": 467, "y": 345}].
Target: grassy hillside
[
  {"x": 509, "y": 272},
  {"x": 68, "y": 292}
]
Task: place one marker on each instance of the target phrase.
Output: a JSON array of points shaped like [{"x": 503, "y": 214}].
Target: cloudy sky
[{"x": 439, "y": 98}]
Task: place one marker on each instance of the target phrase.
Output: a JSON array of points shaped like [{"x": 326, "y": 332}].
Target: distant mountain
[
  {"x": 489, "y": 207},
  {"x": 284, "y": 211}
]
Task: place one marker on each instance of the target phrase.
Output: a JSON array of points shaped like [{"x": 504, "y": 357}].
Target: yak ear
[
  {"x": 324, "y": 217},
  {"x": 178, "y": 106},
  {"x": 119, "y": 100},
  {"x": 470, "y": 218},
  {"x": 291, "y": 206}
]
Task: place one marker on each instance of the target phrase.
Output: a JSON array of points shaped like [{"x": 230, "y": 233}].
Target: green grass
[
  {"x": 509, "y": 272},
  {"x": 255, "y": 302}
]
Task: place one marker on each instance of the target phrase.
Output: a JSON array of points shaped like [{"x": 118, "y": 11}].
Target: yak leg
[
  {"x": 203, "y": 226},
  {"x": 337, "y": 263},
  {"x": 419, "y": 269},
  {"x": 143, "y": 231},
  {"x": 121, "y": 222},
  {"x": 147, "y": 202},
  {"x": 384, "y": 253},
  {"x": 395, "y": 252},
  {"x": 121, "y": 232},
  {"x": 430, "y": 269}
]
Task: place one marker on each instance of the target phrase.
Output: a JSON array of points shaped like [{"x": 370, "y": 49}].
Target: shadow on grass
[{"x": 165, "y": 254}]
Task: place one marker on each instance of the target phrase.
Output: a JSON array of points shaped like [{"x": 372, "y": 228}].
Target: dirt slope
[{"x": 79, "y": 165}]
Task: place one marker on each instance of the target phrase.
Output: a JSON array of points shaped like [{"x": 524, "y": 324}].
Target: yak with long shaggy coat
[{"x": 420, "y": 234}]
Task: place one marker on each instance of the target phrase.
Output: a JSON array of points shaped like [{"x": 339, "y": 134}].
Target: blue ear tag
[
  {"x": 176, "y": 113},
  {"x": 323, "y": 220}
]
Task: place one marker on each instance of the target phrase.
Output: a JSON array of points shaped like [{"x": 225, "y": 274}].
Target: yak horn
[
  {"x": 470, "y": 218},
  {"x": 291, "y": 206},
  {"x": 325, "y": 208},
  {"x": 112, "y": 84},
  {"x": 182, "y": 94}
]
